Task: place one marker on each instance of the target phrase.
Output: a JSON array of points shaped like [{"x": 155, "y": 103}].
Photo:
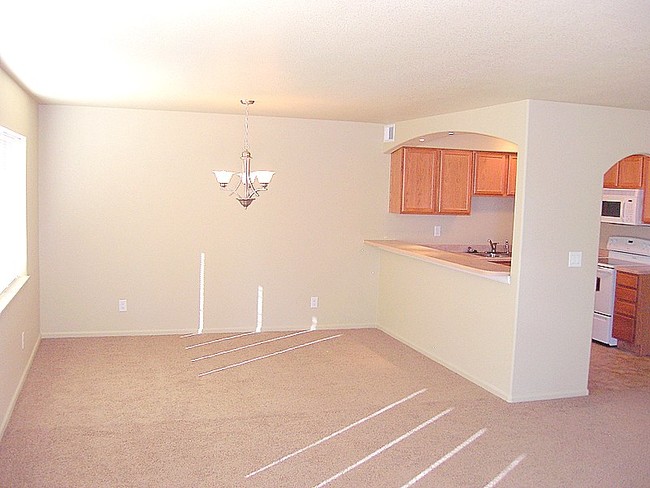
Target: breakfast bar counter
[{"x": 464, "y": 262}]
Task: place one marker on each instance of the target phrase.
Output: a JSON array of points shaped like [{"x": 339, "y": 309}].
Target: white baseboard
[
  {"x": 14, "y": 398},
  {"x": 486, "y": 386},
  {"x": 154, "y": 332}
]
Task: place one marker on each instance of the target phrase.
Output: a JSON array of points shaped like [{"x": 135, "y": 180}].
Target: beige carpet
[{"x": 343, "y": 408}]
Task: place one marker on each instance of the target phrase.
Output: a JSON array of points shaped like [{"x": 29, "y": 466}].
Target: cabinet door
[
  {"x": 455, "y": 182},
  {"x": 512, "y": 175},
  {"x": 630, "y": 172},
  {"x": 396, "y": 178},
  {"x": 610, "y": 180},
  {"x": 418, "y": 183},
  {"x": 624, "y": 328},
  {"x": 490, "y": 173},
  {"x": 646, "y": 188}
]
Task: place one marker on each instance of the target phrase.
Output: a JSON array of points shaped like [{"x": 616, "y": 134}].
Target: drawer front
[
  {"x": 627, "y": 294},
  {"x": 625, "y": 308},
  {"x": 627, "y": 279},
  {"x": 623, "y": 328}
]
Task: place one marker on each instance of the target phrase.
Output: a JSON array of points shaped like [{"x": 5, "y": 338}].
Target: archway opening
[{"x": 617, "y": 301}]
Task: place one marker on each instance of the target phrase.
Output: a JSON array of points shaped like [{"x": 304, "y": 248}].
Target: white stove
[{"x": 621, "y": 251}]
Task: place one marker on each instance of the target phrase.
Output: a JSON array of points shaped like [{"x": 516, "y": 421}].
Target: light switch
[
  {"x": 575, "y": 259},
  {"x": 121, "y": 305}
]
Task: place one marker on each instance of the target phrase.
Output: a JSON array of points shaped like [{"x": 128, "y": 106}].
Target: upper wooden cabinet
[
  {"x": 454, "y": 182},
  {"x": 512, "y": 175},
  {"x": 430, "y": 181},
  {"x": 646, "y": 188},
  {"x": 627, "y": 173},
  {"x": 495, "y": 173},
  {"x": 412, "y": 182}
]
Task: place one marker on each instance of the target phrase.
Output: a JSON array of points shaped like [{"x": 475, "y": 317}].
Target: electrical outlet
[
  {"x": 314, "y": 302},
  {"x": 121, "y": 305},
  {"x": 436, "y": 231}
]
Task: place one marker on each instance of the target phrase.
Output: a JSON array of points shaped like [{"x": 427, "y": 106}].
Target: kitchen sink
[{"x": 489, "y": 254}]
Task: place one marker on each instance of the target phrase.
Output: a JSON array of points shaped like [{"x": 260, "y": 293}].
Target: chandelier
[{"x": 246, "y": 185}]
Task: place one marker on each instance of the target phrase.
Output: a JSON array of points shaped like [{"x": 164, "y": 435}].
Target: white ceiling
[{"x": 362, "y": 60}]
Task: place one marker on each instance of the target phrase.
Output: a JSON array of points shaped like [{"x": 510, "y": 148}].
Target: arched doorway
[{"x": 628, "y": 178}]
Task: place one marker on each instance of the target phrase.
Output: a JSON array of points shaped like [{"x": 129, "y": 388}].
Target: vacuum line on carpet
[
  {"x": 383, "y": 448},
  {"x": 444, "y": 458},
  {"x": 503, "y": 473},
  {"x": 268, "y": 355},
  {"x": 340, "y": 431},
  {"x": 219, "y": 340},
  {"x": 213, "y": 355}
]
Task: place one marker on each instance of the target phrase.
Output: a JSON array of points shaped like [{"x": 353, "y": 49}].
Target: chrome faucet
[
  {"x": 493, "y": 246},
  {"x": 506, "y": 247}
]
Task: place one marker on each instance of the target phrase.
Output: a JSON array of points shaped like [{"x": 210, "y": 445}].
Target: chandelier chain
[{"x": 246, "y": 143}]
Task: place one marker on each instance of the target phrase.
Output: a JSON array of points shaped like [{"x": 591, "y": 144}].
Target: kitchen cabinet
[
  {"x": 646, "y": 188},
  {"x": 412, "y": 181},
  {"x": 632, "y": 312},
  {"x": 627, "y": 173},
  {"x": 430, "y": 181},
  {"x": 494, "y": 173},
  {"x": 512, "y": 175},
  {"x": 454, "y": 182}
]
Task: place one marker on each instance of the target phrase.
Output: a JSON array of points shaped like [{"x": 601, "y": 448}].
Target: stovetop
[{"x": 626, "y": 251}]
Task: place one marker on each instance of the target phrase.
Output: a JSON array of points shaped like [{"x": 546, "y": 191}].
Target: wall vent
[{"x": 389, "y": 133}]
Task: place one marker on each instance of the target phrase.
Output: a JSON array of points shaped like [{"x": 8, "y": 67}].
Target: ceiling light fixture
[{"x": 244, "y": 187}]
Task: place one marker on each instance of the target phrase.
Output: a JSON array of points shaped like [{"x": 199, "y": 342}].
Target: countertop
[
  {"x": 637, "y": 270},
  {"x": 620, "y": 265},
  {"x": 460, "y": 261}
]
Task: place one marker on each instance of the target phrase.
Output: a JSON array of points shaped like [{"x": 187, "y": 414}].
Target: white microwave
[{"x": 622, "y": 206}]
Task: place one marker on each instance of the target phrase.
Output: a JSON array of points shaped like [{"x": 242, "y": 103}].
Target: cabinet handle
[{"x": 597, "y": 283}]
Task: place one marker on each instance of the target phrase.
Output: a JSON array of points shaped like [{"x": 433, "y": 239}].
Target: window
[{"x": 13, "y": 204}]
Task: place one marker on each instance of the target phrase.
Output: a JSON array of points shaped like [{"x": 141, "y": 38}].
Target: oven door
[
  {"x": 605, "y": 289},
  {"x": 601, "y": 330}
]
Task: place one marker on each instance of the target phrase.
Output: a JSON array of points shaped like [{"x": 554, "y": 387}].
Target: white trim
[
  {"x": 11, "y": 291},
  {"x": 14, "y": 398},
  {"x": 191, "y": 330},
  {"x": 486, "y": 386}
]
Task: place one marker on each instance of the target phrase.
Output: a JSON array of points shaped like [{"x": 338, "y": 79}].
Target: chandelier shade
[{"x": 246, "y": 185}]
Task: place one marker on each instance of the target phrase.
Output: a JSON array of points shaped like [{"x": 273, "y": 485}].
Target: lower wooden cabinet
[{"x": 632, "y": 312}]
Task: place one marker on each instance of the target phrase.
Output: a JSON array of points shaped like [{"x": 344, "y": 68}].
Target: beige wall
[
  {"x": 564, "y": 150},
  {"x": 18, "y": 112},
  {"x": 129, "y": 202}
]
